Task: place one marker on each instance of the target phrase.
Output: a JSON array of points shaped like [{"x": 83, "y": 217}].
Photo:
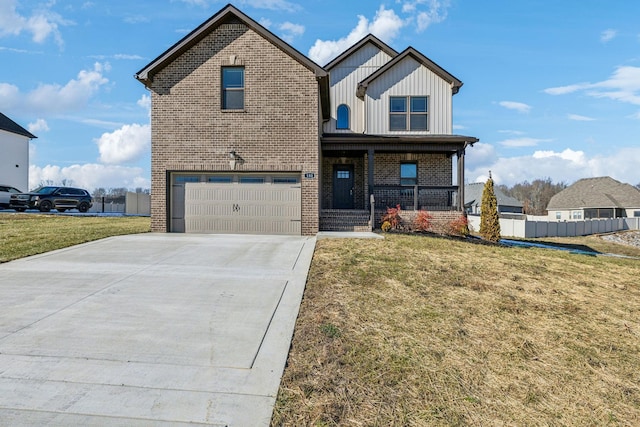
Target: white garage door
[{"x": 242, "y": 208}]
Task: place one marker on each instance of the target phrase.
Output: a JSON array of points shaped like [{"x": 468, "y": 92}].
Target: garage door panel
[
  {"x": 250, "y": 226},
  {"x": 206, "y": 224},
  {"x": 243, "y": 208}
]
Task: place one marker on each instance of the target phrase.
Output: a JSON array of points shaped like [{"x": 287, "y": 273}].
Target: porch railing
[{"x": 416, "y": 197}]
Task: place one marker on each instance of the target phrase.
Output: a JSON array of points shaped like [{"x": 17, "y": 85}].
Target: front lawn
[
  {"x": 22, "y": 235},
  {"x": 416, "y": 330}
]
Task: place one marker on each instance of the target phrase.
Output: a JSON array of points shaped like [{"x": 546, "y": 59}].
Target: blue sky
[{"x": 551, "y": 88}]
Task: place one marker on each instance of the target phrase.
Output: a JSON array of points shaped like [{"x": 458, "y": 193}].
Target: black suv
[{"x": 47, "y": 198}]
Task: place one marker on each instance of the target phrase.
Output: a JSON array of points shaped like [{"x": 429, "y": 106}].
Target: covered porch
[{"x": 363, "y": 175}]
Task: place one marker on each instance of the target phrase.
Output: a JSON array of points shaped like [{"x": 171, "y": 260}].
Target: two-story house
[{"x": 251, "y": 136}]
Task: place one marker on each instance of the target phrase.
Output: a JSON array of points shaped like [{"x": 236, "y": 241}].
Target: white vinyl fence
[
  {"x": 134, "y": 204},
  {"x": 524, "y": 228}
]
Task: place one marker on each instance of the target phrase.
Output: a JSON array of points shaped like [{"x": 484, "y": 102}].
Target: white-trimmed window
[{"x": 409, "y": 113}]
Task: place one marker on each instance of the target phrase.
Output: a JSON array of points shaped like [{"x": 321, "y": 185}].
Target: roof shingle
[{"x": 601, "y": 192}]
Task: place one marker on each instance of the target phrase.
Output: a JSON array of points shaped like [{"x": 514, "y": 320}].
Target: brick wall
[
  {"x": 433, "y": 169},
  {"x": 277, "y": 131},
  {"x": 439, "y": 223}
]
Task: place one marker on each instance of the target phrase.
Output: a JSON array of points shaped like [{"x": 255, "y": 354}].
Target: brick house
[{"x": 251, "y": 136}]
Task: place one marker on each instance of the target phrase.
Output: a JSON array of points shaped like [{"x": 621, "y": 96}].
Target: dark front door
[{"x": 343, "y": 186}]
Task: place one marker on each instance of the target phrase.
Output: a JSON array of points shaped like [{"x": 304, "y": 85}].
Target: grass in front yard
[
  {"x": 416, "y": 330},
  {"x": 22, "y": 235}
]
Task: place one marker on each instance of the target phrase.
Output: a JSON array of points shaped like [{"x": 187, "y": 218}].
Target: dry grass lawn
[
  {"x": 30, "y": 234},
  {"x": 427, "y": 331}
]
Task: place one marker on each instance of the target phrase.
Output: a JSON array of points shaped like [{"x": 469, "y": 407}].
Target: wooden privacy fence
[{"x": 524, "y": 228}]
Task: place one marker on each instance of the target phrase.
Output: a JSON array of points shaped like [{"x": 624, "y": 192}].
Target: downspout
[{"x": 364, "y": 113}]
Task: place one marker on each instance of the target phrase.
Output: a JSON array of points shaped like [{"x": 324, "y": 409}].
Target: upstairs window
[
  {"x": 233, "y": 88},
  {"x": 343, "y": 117},
  {"x": 408, "y": 113},
  {"x": 409, "y": 173}
]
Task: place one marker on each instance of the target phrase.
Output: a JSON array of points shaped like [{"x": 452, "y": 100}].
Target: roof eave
[
  {"x": 455, "y": 83},
  {"x": 369, "y": 38},
  {"x": 145, "y": 75}
]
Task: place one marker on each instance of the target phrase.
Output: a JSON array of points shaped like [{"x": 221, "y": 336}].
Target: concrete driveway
[{"x": 150, "y": 330}]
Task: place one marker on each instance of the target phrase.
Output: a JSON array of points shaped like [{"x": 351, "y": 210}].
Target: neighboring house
[
  {"x": 592, "y": 198},
  {"x": 251, "y": 136},
  {"x": 473, "y": 200},
  {"x": 14, "y": 161}
]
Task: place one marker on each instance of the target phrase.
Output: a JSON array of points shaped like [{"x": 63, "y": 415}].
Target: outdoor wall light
[{"x": 233, "y": 159}]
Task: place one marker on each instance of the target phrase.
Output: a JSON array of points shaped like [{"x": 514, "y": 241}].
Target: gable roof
[
  {"x": 369, "y": 38},
  {"x": 601, "y": 192},
  {"x": 9, "y": 125},
  {"x": 226, "y": 14},
  {"x": 410, "y": 52},
  {"x": 473, "y": 196}
]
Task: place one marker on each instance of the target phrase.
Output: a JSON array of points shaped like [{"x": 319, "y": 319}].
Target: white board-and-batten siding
[
  {"x": 344, "y": 79},
  {"x": 409, "y": 78}
]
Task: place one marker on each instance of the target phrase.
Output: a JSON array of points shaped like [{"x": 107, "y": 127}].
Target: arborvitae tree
[{"x": 489, "y": 219}]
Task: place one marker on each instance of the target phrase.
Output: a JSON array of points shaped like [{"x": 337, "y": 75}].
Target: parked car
[
  {"x": 5, "y": 194},
  {"x": 47, "y": 198}
]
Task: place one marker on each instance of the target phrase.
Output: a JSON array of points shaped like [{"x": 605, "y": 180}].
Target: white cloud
[
  {"x": 517, "y": 106},
  {"x": 436, "y": 12},
  {"x": 42, "y": 24},
  {"x": 145, "y": 102},
  {"x": 608, "y": 35},
  {"x": 53, "y": 97},
  {"x": 522, "y": 142},
  {"x": 623, "y": 86},
  {"x": 580, "y": 118},
  {"x": 511, "y": 132},
  {"x": 89, "y": 176},
  {"x": 563, "y": 90},
  {"x": 561, "y": 166},
  {"x": 39, "y": 125},
  {"x": 265, "y": 22},
  {"x": 124, "y": 145},
  {"x": 385, "y": 25},
  {"x": 290, "y": 31},
  {"x": 480, "y": 154}
]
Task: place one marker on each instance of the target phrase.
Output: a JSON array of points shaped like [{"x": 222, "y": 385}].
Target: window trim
[
  {"x": 343, "y": 107},
  {"x": 408, "y": 113},
  {"x": 225, "y": 90}
]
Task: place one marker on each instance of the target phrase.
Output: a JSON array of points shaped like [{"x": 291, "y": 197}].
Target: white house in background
[
  {"x": 14, "y": 154},
  {"x": 594, "y": 198}
]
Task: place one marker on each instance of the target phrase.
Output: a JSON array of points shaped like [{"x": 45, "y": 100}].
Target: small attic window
[{"x": 343, "y": 117}]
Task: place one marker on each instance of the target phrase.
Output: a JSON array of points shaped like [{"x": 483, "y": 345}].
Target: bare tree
[{"x": 535, "y": 195}]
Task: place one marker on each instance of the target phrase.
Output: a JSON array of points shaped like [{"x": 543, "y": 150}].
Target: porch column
[
  {"x": 461, "y": 180},
  {"x": 371, "y": 165}
]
